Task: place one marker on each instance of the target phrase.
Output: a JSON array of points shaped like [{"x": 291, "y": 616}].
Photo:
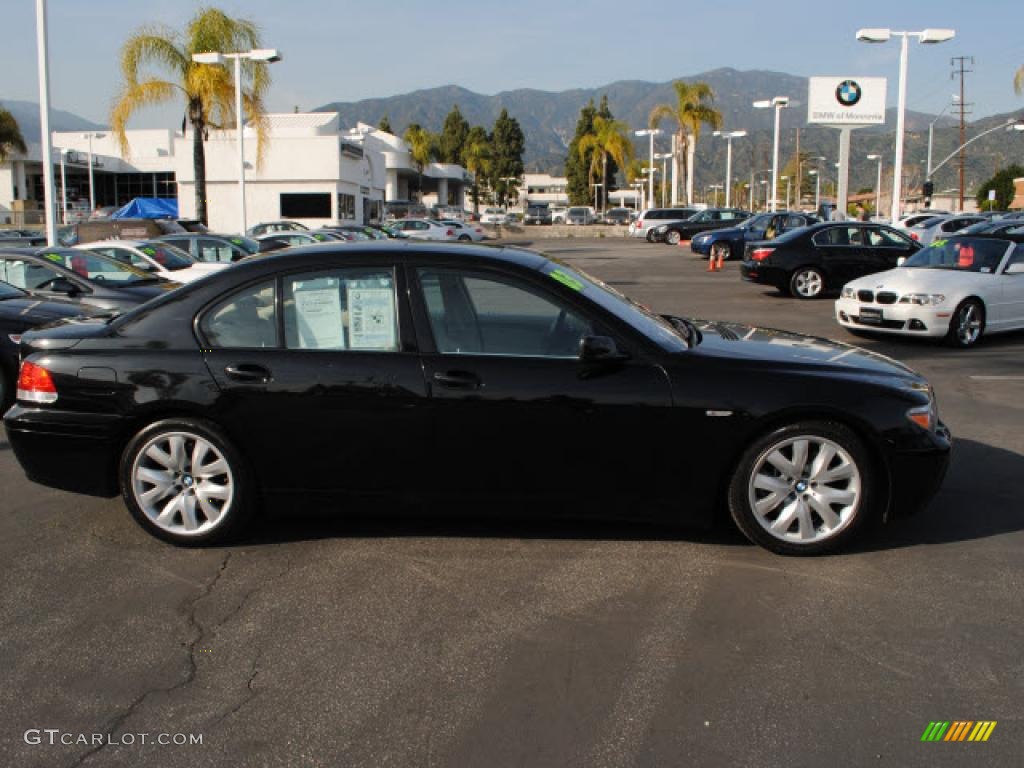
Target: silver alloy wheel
[
  {"x": 673, "y": 237},
  {"x": 808, "y": 283},
  {"x": 182, "y": 483},
  {"x": 804, "y": 489},
  {"x": 968, "y": 324}
]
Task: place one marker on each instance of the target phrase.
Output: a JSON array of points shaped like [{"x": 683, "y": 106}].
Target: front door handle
[
  {"x": 458, "y": 380},
  {"x": 248, "y": 372}
]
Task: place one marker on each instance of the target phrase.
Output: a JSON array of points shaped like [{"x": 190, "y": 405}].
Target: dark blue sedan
[{"x": 732, "y": 241}]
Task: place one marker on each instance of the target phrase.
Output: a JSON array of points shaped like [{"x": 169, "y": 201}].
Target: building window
[
  {"x": 306, "y": 205},
  {"x": 346, "y": 206},
  {"x": 372, "y": 211}
]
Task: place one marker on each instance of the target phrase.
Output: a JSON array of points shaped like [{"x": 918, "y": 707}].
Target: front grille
[
  {"x": 866, "y": 296},
  {"x": 887, "y": 297},
  {"x": 890, "y": 324}
]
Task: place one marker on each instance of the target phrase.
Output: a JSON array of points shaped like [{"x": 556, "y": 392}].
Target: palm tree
[
  {"x": 608, "y": 139},
  {"x": 1018, "y": 81},
  {"x": 208, "y": 89},
  {"x": 691, "y": 110},
  {"x": 422, "y": 147},
  {"x": 477, "y": 159},
  {"x": 11, "y": 139}
]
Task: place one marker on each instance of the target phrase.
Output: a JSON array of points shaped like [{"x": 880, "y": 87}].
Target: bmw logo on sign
[{"x": 848, "y": 93}]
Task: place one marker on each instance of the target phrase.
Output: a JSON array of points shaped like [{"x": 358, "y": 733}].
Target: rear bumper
[
  {"x": 75, "y": 452},
  {"x": 753, "y": 272},
  {"x": 916, "y": 474}
]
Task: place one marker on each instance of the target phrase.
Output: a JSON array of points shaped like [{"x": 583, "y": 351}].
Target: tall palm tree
[
  {"x": 422, "y": 148},
  {"x": 477, "y": 158},
  {"x": 608, "y": 139},
  {"x": 11, "y": 139},
  {"x": 1018, "y": 81},
  {"x": 208, "y": 89},
  {"x": 691, "y": 111}
]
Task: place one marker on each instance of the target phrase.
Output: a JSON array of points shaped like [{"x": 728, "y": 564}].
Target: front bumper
[
  {"x": 77, "y": 452},
  {"x": 701, "y": 245},
  {"x": 916, "y": 473},
  {"x": 902, "y": 319}
]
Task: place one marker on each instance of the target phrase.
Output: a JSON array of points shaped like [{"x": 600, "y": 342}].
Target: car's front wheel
[
  {"x": 807, "y": 283},
  {"x": 464, "y": 238},
  {"x": 967, "y": 324},
  {"x": 721, "y": 251},
  {"x": 803, "y": 489},
  {"x": 185, "y": 483},
  {"x": 672, "y": 237}
]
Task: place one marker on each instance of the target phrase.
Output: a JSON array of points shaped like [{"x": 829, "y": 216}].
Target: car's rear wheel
[
  {"x": 464, "y": 238},
  {"x": 650, "y": 235},
  {"x": 803, "y": 489},
  {"x": 721, "y": 251},
  {"x": 807, "y": 283},
  {"x": 672, "y": 237},
  {"x": 967, "y": 324},
  {"x": 185, "y": 483}
]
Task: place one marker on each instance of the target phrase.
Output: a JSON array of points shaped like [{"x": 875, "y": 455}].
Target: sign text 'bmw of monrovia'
[{"x": 846, "y": 100}]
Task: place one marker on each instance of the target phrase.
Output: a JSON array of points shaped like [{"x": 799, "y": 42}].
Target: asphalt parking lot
[{"x": 371, "y": 639}]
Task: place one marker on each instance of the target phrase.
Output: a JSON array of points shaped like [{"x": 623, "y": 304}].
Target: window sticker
[
  {"x": 318, "y": 314},
  {"x": 236, "y": 240},
  {"x": 371, "y": 314},
  {"x": 149, "y": 251},
  {"x": 939, "y": 243},
  {"x": 55, "y": 257},
  {"x": 565, "y": 279}
]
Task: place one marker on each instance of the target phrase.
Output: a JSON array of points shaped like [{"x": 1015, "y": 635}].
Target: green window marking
[
  {"x": 939, "y": 243},
  {"x": 149, "y": 251},
  {"x": 566, "y": 280},
  {"x": 55, "y": 257},
  {"x": 236, "y": 241}
]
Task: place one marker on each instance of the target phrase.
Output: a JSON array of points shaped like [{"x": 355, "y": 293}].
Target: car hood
[
  {"x": 919, "y": 280},
  {"x": 725, "y": 232},
  {"x": 35, "y": 311},
  {"x": 772, "y": 346}
]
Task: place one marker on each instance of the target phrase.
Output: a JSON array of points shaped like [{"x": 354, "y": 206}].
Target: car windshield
[
  {"x": 247, "y": 244},
  {"x": 8, "y": 291},
  {"x": 167, "y": 256},
  {"x": 962, "y": 254},
  {"x": 97, "y": 267},
  {"x": 651, "y": 325},
  {"x": 761, "y": 221}
]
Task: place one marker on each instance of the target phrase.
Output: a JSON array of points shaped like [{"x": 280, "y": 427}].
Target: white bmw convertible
[{"x": 960, "y": 289}]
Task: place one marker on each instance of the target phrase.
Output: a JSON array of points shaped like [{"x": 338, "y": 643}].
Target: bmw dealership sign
[{"x": 846, "y": 101}]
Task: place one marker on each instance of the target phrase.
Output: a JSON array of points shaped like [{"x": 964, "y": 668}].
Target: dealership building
[{"x": 310, "y": 169}]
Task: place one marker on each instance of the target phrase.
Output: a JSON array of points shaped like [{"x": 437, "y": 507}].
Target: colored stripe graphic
[{"x": 958, "y": 730}]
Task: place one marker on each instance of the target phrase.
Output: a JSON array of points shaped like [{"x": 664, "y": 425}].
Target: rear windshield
[
  {"x": 167, "y": 256},
  {"x": 961, "y": 254}
]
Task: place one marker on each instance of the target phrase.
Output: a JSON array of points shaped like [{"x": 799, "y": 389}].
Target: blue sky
[{"x": 337, "y": 50}]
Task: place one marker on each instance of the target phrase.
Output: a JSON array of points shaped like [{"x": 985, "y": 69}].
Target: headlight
[
  {"x": 925, "y": 416},
  {"x": 662, "y": 228},
  {"x": 847, "y": 292},
  {"x": 922, "y": 299}
]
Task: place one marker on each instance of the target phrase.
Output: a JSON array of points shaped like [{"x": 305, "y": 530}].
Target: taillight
[
  {"x": 35, "y": 385},
  {"x": 913, "y": 236},
  {"x": 451, "y": 233},
  {"x": 14, "y": 337},
  {"x": 760, "y": 254},
  {"x": 639, "y": 223}
]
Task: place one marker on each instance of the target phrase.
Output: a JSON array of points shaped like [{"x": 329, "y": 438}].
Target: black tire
[
  {"x": 957, "y": 336},
  {"x": 807, "y": 283},
  {"x": 233, "y": 516},
  {"x": 464, "y": 238},
  {"x": 672, "y": 237},
  {"x": 724, "y": 248},
  {"x": 650, "y": 235},
  {"x": 865, "y": 507},
  {"x": 7, "y": 385}
]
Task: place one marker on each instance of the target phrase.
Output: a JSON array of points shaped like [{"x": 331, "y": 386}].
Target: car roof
[
  {"x": 1017, "y": 237},
  {"x": 111, "y": 241}
]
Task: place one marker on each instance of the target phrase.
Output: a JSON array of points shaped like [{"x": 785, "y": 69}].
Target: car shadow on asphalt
[{"x": 953, "y": 516}]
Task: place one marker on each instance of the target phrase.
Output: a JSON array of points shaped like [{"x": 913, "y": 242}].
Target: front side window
[
  {"x": 344, "y": 309},
  {"x": 26, "y": 275},
  {"x": 246, "y": 319},
  {"x": 477, "y": 315}
]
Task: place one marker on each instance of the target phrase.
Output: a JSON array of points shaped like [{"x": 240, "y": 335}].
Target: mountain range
[
  {"x": 549, "y": 119},
  {"x": 27, "y": 115}
]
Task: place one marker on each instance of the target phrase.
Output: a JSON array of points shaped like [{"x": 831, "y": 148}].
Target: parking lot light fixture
[
  {"x": 664, "y": 157},
  {"x": 728, "y": 136},
  {"x": 878, "y": 185},
  {"x": 265, "y": 55},
  {"x": 789, "y": 182},
  {"x": 650, "y": 133},
  {"x": 778, "y": 104},
  {"x": 926, "y": 36},
  {"x": 817, "y": 189},
  {"x": 92, "y": 189}
]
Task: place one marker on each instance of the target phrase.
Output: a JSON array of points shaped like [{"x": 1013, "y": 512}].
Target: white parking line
[{"x": 998, "y": 378}]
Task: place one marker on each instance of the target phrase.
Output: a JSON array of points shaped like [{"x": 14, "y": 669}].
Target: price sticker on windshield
[
  {"x": 55, "y": 257},
  {"x": 939, "y": 243},
  {"x": 564, "y": 279}
]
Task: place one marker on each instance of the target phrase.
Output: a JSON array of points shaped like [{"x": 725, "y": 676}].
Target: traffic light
[{"x": 928, "y": 189}]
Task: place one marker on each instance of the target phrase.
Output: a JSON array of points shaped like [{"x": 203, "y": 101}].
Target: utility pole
[
  {"x": 799, "y": 176},
  {"x": 959, "y": 64}
]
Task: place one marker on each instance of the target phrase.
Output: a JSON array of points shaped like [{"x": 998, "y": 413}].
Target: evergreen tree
[
  {"x": 507, "y": 145},
  {"x": 385, "y": 125},
  {"x": 577, "y": 166},
  {"x": 11, "y": 139},
  {"x": 453, "y": 136}
]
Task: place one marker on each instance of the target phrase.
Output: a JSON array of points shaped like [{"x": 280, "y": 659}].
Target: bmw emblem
[{"x": 848, "y": 93}]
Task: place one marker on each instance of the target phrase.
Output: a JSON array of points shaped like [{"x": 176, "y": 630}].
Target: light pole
[
  {"x": 728, "y": 136},
  {"x": 878, "y": 185},
  {"x": 650, "y": 133},
  {"x": 1013, "y": 124},
  {"x": 44, "y": 122},
  {"x": 778, "y": 103},
  {"x": 788, "y": 181},
  {"x": 817, "y": 189},
  {"x": 267, "y": 55},
  {"x": 931, "y": 135},
  {"x": 63, "y": 190},
  {"x": 664, "y": 157},
  {"x": 92, "y": 194},
  {"x": 750, "y": 194},
  {"x": 926, "y": 36},
  {"x": 596, "y": 185},
  {"x": 716, "y": 188}
]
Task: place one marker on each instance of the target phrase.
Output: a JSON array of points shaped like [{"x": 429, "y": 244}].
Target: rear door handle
[
  {"x": 248, "y": 372},
  {"x": 458, "y": 380}
]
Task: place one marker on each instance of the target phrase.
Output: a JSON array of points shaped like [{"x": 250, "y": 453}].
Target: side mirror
[
  {"x": 1015, "y": 269},
  {"x": 63, "y": 285},
  {"x": 599, "y": 349},
  {"x": 900, "y": 261}
]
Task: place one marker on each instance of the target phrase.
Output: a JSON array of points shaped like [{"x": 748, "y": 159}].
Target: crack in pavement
[{"x": 194, "y": 628}]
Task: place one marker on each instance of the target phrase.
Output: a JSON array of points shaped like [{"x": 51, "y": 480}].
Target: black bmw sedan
[
  {"x": 20, "y": 311},
  {"x": 676, "y": 232},
  {"x": 397, "y": 369},
  {"x": 809, "y": 262}
]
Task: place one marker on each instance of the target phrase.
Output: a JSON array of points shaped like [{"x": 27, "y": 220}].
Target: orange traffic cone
[
  {"x": 711, "y": 263},
  {"x": 721, "y": 262}
]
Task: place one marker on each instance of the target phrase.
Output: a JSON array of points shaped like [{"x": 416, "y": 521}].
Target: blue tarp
[{"x": 148, "y": 208}]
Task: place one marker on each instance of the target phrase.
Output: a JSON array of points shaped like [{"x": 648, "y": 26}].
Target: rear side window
[
  {"x": 246, "y": 319},
  {"x": 344, "y": 309}
]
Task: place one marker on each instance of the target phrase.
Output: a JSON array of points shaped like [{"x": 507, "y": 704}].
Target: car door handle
[
  {"x": 248, "y": 372},
  {"x": 458, "y": 380}
]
